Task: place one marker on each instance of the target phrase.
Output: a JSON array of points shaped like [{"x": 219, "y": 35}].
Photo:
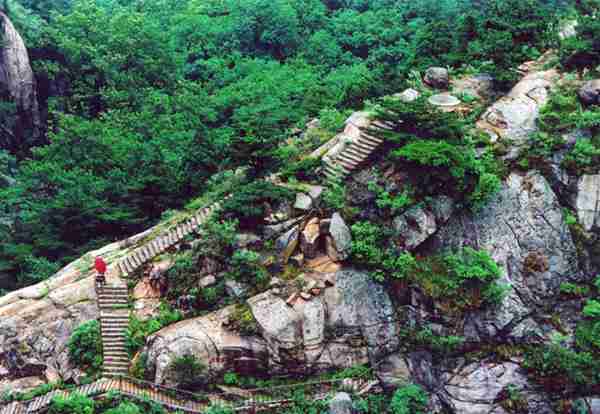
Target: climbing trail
[
  {"x": 113, "y": 304},
  {"x": 113, "y": 301},
  {"x": 351, "y": 157},
  {"x": 173, "y": 399}
]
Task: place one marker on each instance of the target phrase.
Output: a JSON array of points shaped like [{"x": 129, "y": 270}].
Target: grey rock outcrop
[
  {"x": 207, "y": 339},
  {"x": 589, "y": 93},
  {"x": 480, "y": 387},
  {"x": 342, "y": 238},
  {"x": 514, "y": 116},
  {"x": 16, "y": 75},
  {"x": 479, "y": 86},
  {"x": 437, "y": 77},
  {"x": 524, "y": 231},
  {"x": 588, "y": 201},
  {"x": 347, "y": 324},
  {"x": 416, "y": 225},
  {"x": 341, "y": 403}
]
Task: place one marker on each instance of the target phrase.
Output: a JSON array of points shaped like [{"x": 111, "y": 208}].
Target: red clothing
[{"x": 100, "y": 265}]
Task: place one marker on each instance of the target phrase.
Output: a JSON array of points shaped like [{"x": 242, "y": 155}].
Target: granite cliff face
[{"x": 16, "y": 78}]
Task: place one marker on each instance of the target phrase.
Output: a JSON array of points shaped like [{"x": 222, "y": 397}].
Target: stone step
[
  {"x": 360, "y": 151},
  {"x": 364, "y": 145},
  {"x": 347, "y": 165},
  {"x": 353, "y": 156},
  {"x": 369, "y": 139}
]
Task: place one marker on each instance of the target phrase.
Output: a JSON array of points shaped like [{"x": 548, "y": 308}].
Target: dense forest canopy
[{"x": 143, "y": 101}]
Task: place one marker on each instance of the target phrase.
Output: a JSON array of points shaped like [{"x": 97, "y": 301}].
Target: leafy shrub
[
  {"x": 247, "y": 203},
  {"x": 410, "y": 399},
  {"x": 231, "y": 378},
  {"x": 584, "y": 157},
  {"x": 85, "y": 346},
  {"x": 556, "y": 366},
  {"x": 394, "y": 203},
  {"x": 371, "y": 404},
  {"x": 242, "y": 320},
  {"x": 246, "y": 266},
  {"x": 334, "y": 196},
  {"x": 303, "y": 170},
  {"x": 138, "y": 330},
  {"x": 188, "y": 371},
  {"x": 72, "y": 404},
  {"x": 219, "y": 409},
  {"x": 125, "y": 408},
  {"x": 572, "y": 290}
]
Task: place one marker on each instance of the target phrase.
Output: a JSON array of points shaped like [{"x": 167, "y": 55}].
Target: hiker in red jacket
[{"x": 100, "y": 266}]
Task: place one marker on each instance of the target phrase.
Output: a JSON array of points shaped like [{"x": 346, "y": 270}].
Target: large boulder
[
  {"x": 589, "y": 93},
  {"x": 524, "y": 231},
  {"x": 514, "y": 116},
  {"x": 206, "y": 338},
  {"x": 479, "y": 86},
  {"x": 483, "y": 387},
  {"x": 16, "y": 77},
  {"x": 342, "y": 238},
  {"x": 348, "y": 324},
  {"x": 437, "y": 78}
]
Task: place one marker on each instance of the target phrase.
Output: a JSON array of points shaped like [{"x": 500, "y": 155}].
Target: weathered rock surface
[
  {"x": 589, "y": 93},
  {"x": 206, "y": 338},
  {"x": 437, "y": 78},
  {"x": 588, "y": 201},
  {"x": 309, "y": 238},
  {"x": 480, "y": 387},
  {"x": 408, "y": 95},
  {"x": 417, "y": 224},
  {"x": 341, "y": 236},
  {"x": 16, "y": 75},
  {"x": 341, "y": 403},
  {"x": 524, "y": 231},
  {"x": 514, "y": 116},
  {"x": 292, "y": 337},
  {"x": 479, "y": 86}
]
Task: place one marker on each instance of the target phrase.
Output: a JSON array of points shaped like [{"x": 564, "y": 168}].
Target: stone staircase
[
  {"x": 351, "y": 157},
  {"x": 113, "y": 301},
  {"x": 161, "y": 243}
]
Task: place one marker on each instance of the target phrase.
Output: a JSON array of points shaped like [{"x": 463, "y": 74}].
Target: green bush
[
  {"x": 72, "y": 404},
  {"x": 246, "y": 265},
  {"x": 188, "y": 372},
  {"x": 303, "y": 170},
  {"x": 247, "y": 203},
  {"x": 138, "y": 330},
  {"x": 334, "y": 196},
  {"x": 242, "y": 320},
  {"x": 125, "y": 408},
  {"x": 573, "y": 290},
  {"x": 556, "y": 367},
  {"x": 218, "y": 409},
  {"x": 85, "y": 347},
  {"x": 409, "y": 399},
  {"x": 395, "y": 203}
]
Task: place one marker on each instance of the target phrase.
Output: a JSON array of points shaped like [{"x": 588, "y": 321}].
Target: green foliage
[
  {"x": 219, "y": 409},
  {"x": 334, "y": 196},
  {"x": 246, "y": 265},
  {"x": 72, "y": 404},
  {"x": 583, "y": 50},
  {"x": 188, "y": 371},
  {"x": 303, "y": 170},
  {"x": 302, "y": 404},
  {"x": 467, "y": 278},
  {"x": 556, "y": 366},
  {"x": 573, "y": 290},
  {"x": 409, "y": 399},
  {"x": 125, "y": 408},
  {"x": 138, "y": 330},
  {"x": 394, "y": 203},
  {"x": 592, "y": 309},
  {"x": 85, "y": 347},
  {"x": 242, "y": 320},
  {"x": 371, "y": 404},
  {"x": 247, "y": 203}
]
